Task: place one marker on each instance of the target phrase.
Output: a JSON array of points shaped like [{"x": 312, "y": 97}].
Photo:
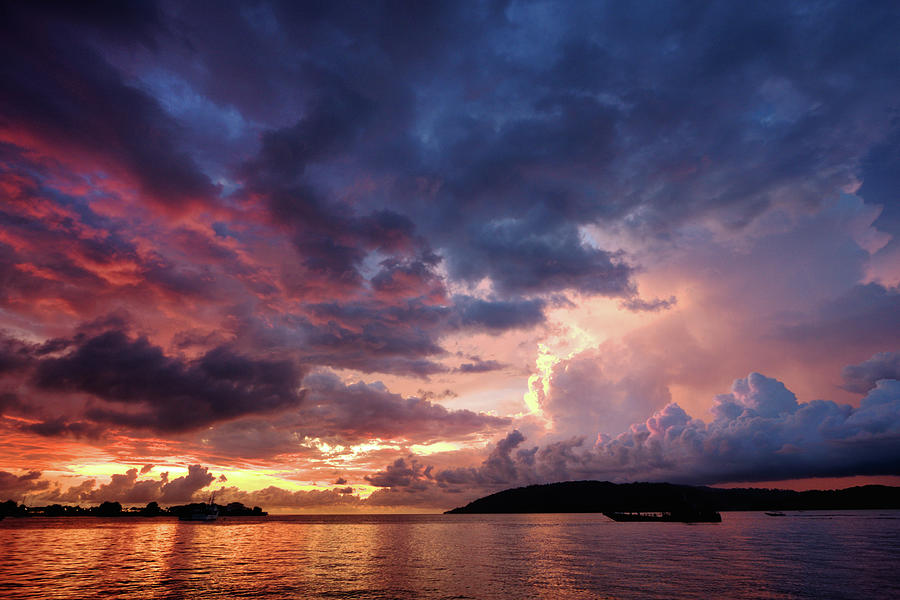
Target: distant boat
[
  {"x": 203, "y": 512},
  {"x": 776, "y": 514},
  {"x": 674, "y": 516}
]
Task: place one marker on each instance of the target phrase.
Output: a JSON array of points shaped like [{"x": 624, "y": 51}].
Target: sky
[{"x": 394, "y": 256}]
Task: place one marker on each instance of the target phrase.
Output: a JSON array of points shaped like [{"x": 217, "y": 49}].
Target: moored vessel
[
  {"x": 672, "y": 516},
  {"x": 202, "y": 512}
]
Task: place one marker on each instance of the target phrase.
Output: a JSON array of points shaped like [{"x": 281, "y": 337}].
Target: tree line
[{"x": 11, "y": 508}]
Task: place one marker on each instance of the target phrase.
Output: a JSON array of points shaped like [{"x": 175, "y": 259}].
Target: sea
[{"x": 812, "y": 554}]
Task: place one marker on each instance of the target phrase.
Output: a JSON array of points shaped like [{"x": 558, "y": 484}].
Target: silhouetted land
[
  {"x": 114, "y": 509},
  {"x": 602, "y": 496}
]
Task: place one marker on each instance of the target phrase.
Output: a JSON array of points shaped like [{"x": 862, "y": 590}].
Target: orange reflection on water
[{"x": 748, "y": 555}]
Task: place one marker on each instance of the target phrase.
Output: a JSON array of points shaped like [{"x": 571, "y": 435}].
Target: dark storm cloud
[
  {"x": 332, "y": 242},
  {"x": 116, "y": 21},
  {"x": 130, "y": 382},
  {"x": 61, "y": 427},
  {"x": 165, "y": 393},
  {"x": 880, "y": 174},
  {"x": 11, "y": 404},
  {"x": 600, "y": 121},
  {"x": 402, "y": 335},
  {"x": 347, "y": 414},
  {"x": 865, "y": 376},
  {"x": 409, "y": 279},
  {"x": 14, "y": 354},
  {"x": 390, "y": 174},
  {"x": 655, "y": 116},
  {"x": 541, "y": 253},
  {"x": 14, "y": 486},
  {"x": 499, "y": 315},
  {"x": 59, "y": 89},
  {"x": 375, "y": 337},
  {"x": 500, "y": 132},
  {"x": 330, "y": 127}
]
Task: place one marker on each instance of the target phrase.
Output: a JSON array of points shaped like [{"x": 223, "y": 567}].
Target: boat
[
  {"x": 776, "y": 514},
  {"x": 201, "y": 512},
  {"x": 667, "y": 516}
]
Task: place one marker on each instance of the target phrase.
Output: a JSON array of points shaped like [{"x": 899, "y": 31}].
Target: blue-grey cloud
[{"x": 865, "y": 376}]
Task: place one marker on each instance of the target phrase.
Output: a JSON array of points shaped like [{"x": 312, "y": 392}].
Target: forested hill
[{"x": 600, "y": 496}]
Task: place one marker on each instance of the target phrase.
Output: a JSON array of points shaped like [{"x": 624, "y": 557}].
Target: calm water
[{"x": 748, "y": 555}]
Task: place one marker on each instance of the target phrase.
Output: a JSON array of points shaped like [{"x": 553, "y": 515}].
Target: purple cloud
[
  {"x": 165, "y": 393},
  {"x": 760, "y": 433},
  {"x": 863, "y": 377}
]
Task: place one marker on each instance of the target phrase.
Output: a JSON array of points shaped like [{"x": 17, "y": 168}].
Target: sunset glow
[{"x": 395, "y": 257}]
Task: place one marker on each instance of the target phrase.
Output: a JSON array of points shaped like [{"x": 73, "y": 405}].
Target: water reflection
[{"x": 460, "y": 556}]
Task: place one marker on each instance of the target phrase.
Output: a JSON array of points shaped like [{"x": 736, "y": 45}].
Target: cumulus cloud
[
  {"x": 400, "y": 474},
  {"x": 497, "y": 468},
  {"x": 274, "y": 497},
  {"x": 129, "y": 487},
  {"x": 603, "y": 391},
  {"x": 760, "y": 432}
]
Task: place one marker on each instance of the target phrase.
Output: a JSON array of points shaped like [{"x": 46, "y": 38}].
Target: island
[
  {"x": 607, "y": 497},
  {"x": 114, "y": 509}
]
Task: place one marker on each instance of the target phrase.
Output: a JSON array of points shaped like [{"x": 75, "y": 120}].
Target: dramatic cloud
[
  {"x": 167, "y": 394},
  {"x": 362, "y": 411},
  {"x": 760, "y": 432},
  {"x": 129, "y": 487},
  {"x": 13, "y": 487},
  {"x": 105, "y": 123},
  {"x": 348, "y": 414},
  {"x": 603, "y": 391},
  {"x": 499, "y": 315},
  {"x": 568, "y": 217}
]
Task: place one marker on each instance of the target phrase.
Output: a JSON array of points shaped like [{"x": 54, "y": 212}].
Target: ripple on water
[{"x": 805, "y": 555}]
